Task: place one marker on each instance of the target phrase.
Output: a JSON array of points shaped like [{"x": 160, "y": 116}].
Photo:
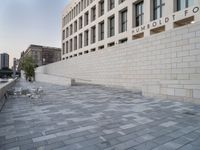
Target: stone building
[
  {"x": 91, "y": 25},
  {"x": 43, "y": 55}
]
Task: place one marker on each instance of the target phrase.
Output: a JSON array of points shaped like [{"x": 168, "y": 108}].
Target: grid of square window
[{"x": 88, "y": 21}]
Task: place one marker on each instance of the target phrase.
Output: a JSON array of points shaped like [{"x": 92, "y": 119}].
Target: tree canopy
[{"x": 28, "y": 65}]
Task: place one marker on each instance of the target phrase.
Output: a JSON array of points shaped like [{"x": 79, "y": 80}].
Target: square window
[
  {"x": 86, "y": 37},
  {"x": 80, "y": 22},
  {"x": 123, "y": 20},
  {"x": 139, "y": 13},
  {"x": 101, "y": 31},
  {"x": 93, "y": 34},
  {"x": 158, "y": 9},
  {"x": 111, "y": 26},
  {"x": 80, "y": 40},
  {"x": 93, "y": 13},
  {"x": 111, "y": 4},
  {"x": 101, "y": 8},
  {"x": 86, "y": 18}
]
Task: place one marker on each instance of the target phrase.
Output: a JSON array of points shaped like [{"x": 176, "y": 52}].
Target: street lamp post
[{"x": 14, "y": 67}]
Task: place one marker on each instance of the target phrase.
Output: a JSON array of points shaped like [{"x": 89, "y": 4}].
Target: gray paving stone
[
  {"x": 74, "y": 140},
  {"x": 132, "y": 148},
  {"x": 124, "y": 145},
  {"x": 173, "y": 145},
  {"x": 83, "y": 133},
  {"x": 11, "y": 145},
  {"x": 147, "y": 137},
  {"x": 163, "y": 139},
  {"x": 90, "y": 142},
  {"x": 192, "y": 135},
  {"x": 9, "y": 141},
  {"x": 27, "y": 147},
  {"x": 93, "y": 147},
  {"x": 168, "y": 124},
  {"x": 40, "y": 144},
  {"x": 96, "y": 117},
  {"x": 127, "y": 126},
  {"x": 29, "y": 136},
  {"x": 43, "y": 138},
  {"x": 53, "y": 131},
  {"x": 146, "y": 146},
  {"x": 69, "y": 147},
  {"x": 14, "y": 148},
  {"x": 182, "y": 140},
  {"x": 196, "y": 142},
  {"x": 176, "y": 134},
  {"x": 75, "y": 130},
  {"x": 127, "y": 137},
  {"x": 54, "y": 146},
  {"x": 111, "y": 136},
  {"x": 189, "y": 147},
  {"x": 57, "y": 139},
  {"x": 143, "y": 132}
]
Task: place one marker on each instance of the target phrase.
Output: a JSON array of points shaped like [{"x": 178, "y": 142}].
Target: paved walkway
[{"x": 96, "y": 118}]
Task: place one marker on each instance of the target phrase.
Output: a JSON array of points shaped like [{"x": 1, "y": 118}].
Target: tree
[{"x": 28, "y": 65}]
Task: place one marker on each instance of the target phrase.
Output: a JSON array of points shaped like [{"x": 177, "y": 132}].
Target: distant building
[
  {"x": 42, "y": 55},
  {"x": 4, "y": 60},
  {"x": 16, "y": 64}
]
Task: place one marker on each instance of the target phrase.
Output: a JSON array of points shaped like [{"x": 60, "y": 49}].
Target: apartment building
[{"x": 91, "y": 25}]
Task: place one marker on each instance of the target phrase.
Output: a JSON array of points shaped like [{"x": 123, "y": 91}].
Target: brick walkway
[{"x": 96, "y": 118}]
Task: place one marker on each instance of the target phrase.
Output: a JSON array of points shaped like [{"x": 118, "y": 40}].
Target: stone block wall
[
  {"x": 54, "y": 79},
  {"x": 4, "y": 87},
  {"x": 165, "y": 64}
]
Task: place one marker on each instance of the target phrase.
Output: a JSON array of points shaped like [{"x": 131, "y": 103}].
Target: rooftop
[{"x": 32, "y": 45}]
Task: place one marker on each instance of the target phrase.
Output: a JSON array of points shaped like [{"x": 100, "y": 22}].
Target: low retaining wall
[
  {"x": 54, "y": 79},
  {"x": 60, "y": 80},
  {"x": 165, "y": 64},
  {"x": 3, "y": 89}
]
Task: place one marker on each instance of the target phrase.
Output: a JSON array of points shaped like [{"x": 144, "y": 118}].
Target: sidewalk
[{"x": 96, "y": 118}]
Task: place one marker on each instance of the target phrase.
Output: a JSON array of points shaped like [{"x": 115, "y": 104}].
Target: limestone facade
[{"x": 92, "y": 25}]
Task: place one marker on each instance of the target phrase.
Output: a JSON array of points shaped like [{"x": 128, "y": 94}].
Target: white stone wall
[
  {"x": 165, "y": 64},
  {"x": 54, "y": 79},
  {"x": 4, "y": 87}
]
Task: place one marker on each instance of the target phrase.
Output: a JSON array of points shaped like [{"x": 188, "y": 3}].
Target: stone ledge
[{"x": 3, "y": 89}]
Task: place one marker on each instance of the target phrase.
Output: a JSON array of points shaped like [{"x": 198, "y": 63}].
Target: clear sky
[{"x": 25, "y": 22}]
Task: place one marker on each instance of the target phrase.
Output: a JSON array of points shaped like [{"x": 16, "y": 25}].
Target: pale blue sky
[{"x": 25, "y": 22}]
